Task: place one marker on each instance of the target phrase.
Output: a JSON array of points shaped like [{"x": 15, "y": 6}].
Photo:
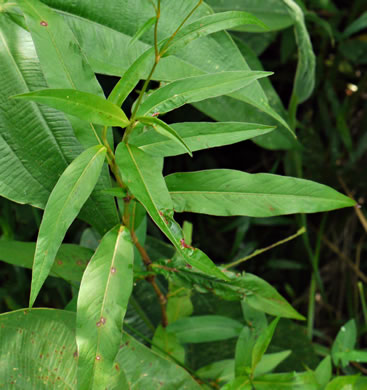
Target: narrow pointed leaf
[
  {"x": 132, "y": 76},
  {"x": 262, "y": 344},
  {"x": 228, "y": 192},
  {"x": 63, "y": 62},
  {"x": 243, "y": 354},
  {"x": 195, "y": 89},
  {"x": 67, "y": 198},
  {"x": 211, "y": 24},
  {"x": 143, "y": 175},
  {"x": 37, "y": 143},
  {"x": 112, "y": 28},
  {"x": 86, "y": 106},
  {"x": 165, "y": 130},
  {"x": 143, "y": 29},
  {"x": 103, "y": 297},
  {"x": 202, "y": 27},
  {"x": 270, "y": 361},
  {"x": 198, "y": 136},
  {"x": 70, "y": 261}
]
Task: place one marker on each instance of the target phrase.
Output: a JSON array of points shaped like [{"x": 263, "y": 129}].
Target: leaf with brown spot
[{"x": 102, "y": 303}]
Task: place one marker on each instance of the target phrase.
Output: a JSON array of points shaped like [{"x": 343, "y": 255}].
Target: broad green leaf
[
  {"x": 70, "y": 261},
  {"x": 243, "y": 355},
  {"x": 165, "y": 343},
  {"x": 222, "y": 371},
  {"x": 271, "y": 12},
  {"x": 343, "y": 383},
  {"x": 270, "y": 361},
  {"x": 304, "y": 81},
  {"x": 103, "y": 297},
  {"x": 201, "y": 329},
  {"x": 228, "y": 192},
  {"x": 145, "y": 369},
  {"x": 357, "y": 25},
  {"x": 63, "y": 62},
  {"x": 211, "y": 24},
  {"x": 36, "y": 142},
  {"x": 165, "y": 130},
  {"x": 67, "y": 198},
  {"x": 86, "y": 106},
  {"x": 143, "y": 175},
  {"x": 198, "y": 136},
  {"x": 345, "y": 341},
  {"x": 195, "y": 89},
  {"x": 105, "y": 33},
  {"x": 38, "y": 350},
  {"x": 262, "y": 344},
  {"x": 324, "y": 372}
]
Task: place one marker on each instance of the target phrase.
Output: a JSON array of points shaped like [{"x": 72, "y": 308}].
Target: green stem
[
  {"x": 302, "y": 230},
  {"x": 311, "y": 307}
]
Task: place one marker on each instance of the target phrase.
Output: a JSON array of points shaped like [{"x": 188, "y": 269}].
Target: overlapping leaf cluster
[{"x": 58, "y": 154}]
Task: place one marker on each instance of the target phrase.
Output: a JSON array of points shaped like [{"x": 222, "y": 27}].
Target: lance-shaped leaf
[
  {"x": 86, "y": 106},
  {"x": 63, "y": 63},
  {"x": 262, "y": 344},
  {"x": 103, "y": 297},
  {"x": 70, "y": 261},
  {"x": 211, "y": 24},
  {"x": 195, "y": 89},
  {"x": 227, "y": 192},
  {"x": 198, "y": 136},
  {"x": 112, "y": 28},
  {"x": 37, "y": 142},
  {"x": 143, "y": 175},
  {"x": 165, "y": 130},
  {"x": 67, "y": 198},
  {"x": 202, "y": 27},
  {"x": 143, "y": 29}
]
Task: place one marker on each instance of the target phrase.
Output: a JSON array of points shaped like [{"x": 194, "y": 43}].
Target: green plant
[{"x": 61, "y": 156}]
